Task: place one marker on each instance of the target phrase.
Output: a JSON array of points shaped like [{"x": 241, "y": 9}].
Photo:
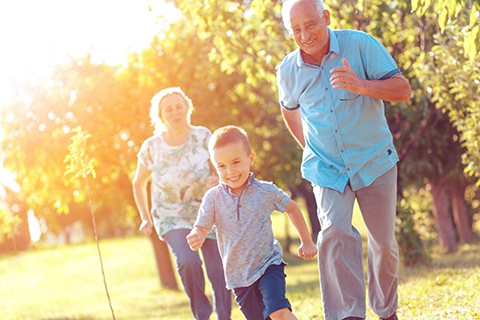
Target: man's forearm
[
  {"x": 395, "y": 89},
  {"x": 293, "y": 122}
]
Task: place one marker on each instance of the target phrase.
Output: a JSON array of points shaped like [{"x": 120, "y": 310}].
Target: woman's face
[{"x": 173, "y": 111}]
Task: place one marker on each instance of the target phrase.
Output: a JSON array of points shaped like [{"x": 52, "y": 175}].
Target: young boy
[{"x": 240, "y": 208}]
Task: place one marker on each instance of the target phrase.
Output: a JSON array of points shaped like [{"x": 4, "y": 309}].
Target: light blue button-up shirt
[{"x": 347, "y": 139}]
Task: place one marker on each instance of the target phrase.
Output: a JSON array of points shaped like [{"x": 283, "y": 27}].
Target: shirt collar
[{"x": 334, "y": 47}]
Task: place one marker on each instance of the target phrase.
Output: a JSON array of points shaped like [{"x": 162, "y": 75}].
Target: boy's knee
[{"x": 284, "y": 313}]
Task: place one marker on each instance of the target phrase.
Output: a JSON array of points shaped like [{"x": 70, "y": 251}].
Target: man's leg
[
  {"x": 377, "y": 203},
  {"x": 339, "y": 255}
]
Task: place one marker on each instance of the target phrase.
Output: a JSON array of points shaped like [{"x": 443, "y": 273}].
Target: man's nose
[{"x": 305, "y": 34}]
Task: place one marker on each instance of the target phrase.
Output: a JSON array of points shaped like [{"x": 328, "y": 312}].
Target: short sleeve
[
  {"x": 281, "y": 199},
  {"x": 285, "y": 96},
  {"x": 206, "y": 212},
  {"x": 379, "y": 64},
  {"x": 145, "y": 154}
]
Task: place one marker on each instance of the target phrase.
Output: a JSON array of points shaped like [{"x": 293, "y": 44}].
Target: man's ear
[{"x": 326, "y": 15}]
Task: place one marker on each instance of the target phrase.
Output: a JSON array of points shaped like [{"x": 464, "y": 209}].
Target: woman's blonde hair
[{"x": 155, "y": 117}]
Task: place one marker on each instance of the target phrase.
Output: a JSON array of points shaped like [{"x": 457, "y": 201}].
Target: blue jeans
[
  {"x": 189, "y": 267},
  {"x": 264, "y": 296}
]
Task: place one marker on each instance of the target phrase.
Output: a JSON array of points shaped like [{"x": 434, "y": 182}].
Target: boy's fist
[
  {"x": 196, "y": 237},
  {"x": 307, "y": 251}
]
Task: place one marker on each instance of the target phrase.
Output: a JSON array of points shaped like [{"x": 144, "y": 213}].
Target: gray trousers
[{"x": 340, "y": 249}]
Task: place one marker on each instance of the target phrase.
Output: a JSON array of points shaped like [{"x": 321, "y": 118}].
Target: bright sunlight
[{"x": 36, "y": 34}]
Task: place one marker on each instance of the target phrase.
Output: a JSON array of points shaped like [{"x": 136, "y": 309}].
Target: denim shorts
[{"x": 265, "y": 296}]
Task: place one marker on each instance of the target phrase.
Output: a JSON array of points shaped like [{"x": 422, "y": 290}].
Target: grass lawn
[{"x": 65, "y": 282}]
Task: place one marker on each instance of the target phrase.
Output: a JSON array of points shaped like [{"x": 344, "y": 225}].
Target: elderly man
[{"x": 331, "y": 89}]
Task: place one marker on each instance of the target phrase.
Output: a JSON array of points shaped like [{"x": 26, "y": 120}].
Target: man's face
[{"x": 309, "y": 28}]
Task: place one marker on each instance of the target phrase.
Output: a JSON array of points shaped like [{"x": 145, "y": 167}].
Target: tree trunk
[
  {"x": 457, "y": 194},
  {"x": 444, "y": 224},
  {"x": 164, "y": 263}
]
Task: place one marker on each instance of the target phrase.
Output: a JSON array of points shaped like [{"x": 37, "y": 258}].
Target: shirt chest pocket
[{"x": 344, "y": 95}]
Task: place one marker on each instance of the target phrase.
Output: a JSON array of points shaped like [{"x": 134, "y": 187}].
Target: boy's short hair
[{"x": 227, "y": 135}]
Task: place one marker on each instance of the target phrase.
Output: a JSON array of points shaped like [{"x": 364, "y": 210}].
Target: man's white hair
[{"x": 287, "y": 6}]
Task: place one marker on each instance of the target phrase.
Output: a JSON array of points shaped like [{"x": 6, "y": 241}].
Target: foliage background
[{"x": 223, "y": 55}]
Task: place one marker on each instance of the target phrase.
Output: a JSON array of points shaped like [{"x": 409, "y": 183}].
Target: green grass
[{"x": 65, "y": 283}]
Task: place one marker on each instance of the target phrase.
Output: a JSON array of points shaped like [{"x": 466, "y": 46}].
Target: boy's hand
[
  {"x": 307, "y": 251},
  {"x": 196, "y": 238}
]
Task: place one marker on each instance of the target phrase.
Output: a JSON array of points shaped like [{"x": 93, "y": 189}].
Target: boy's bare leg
[{"x": 283, "y": 314}]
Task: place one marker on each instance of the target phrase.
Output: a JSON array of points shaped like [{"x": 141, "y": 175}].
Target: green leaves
[
  {"x": 470, "y": 42},
  {"x": 78, "y": 162},
  {"x": 449, "y": 11},
  {"x": 8, "y": 223}
]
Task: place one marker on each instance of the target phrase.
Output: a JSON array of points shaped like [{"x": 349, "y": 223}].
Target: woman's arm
[{"x": 140, "y": 181}]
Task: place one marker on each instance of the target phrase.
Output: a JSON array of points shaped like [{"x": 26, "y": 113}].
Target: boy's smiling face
[{"x": 233, "y": 163}]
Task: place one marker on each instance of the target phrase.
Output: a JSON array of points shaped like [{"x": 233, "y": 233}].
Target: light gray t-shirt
[{"x": 244, "y": 228}]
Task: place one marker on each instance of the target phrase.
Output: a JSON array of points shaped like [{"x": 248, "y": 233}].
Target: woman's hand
[
  {"x": 146, "y": 227},
  {"x": 212, "y": 181}
]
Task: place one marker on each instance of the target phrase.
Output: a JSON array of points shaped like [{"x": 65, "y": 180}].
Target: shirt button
[
  {"x": 342, "y": 151},
  {"x": 348, "y": 169},
  {"x": 336, "y": 131},
  {"x": 331, "y": 110},
  {"x": 326, "y": 89}
]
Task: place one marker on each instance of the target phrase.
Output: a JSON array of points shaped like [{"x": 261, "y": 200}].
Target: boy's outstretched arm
[
  {"x": 307, "y": 249},
  {"x": 197, "y": 237}
]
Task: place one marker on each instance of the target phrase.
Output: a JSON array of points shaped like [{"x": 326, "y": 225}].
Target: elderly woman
[{"x": 176, "y": 159}]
